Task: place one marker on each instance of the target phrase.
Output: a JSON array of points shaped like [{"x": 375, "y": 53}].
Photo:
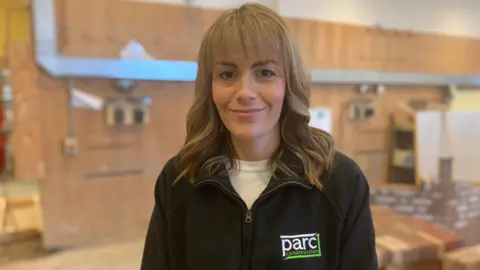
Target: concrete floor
[
  {"x": 18, "y": 250},
  {"x": 28, "y": 255}
]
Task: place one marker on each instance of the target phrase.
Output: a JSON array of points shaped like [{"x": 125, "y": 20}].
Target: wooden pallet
[
  {"x": 405, "y": 243},
  {"x": 20, "y": 211}
]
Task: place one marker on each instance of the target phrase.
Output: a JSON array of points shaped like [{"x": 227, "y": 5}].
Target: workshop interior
[{"x": 95, "y": 94}]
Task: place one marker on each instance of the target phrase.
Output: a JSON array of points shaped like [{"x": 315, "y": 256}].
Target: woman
[{"x": 254, "y": 187}]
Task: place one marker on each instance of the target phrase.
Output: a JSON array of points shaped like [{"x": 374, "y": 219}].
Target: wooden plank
[{"x": 407, "y": 243}]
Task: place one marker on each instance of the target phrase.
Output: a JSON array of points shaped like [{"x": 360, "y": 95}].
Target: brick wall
[{"x": 454, "y": 205}]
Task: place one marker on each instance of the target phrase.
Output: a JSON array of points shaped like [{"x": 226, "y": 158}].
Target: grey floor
[
  {"x": 26, "y": 249},
  {"x": 29, "y": 255}
]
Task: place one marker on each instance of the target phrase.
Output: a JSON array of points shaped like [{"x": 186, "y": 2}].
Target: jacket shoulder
[
  {"x": 165, "y": 185},
  {"x": 345, "y": 184},
  {"x": 344, "y": 166},
  {"x": 169, "y": 171}
]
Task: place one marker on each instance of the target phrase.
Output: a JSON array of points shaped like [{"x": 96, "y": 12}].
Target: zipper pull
[{"x": 248, "y": 218}]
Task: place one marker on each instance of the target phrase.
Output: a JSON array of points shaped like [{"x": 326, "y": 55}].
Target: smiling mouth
[{"x": 246, "y": 111}]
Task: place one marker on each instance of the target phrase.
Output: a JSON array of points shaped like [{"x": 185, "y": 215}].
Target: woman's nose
[{"x": 246, "y": 89}]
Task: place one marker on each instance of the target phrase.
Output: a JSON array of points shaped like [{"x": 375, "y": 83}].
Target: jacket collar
[{"x": 220, "y": 175}]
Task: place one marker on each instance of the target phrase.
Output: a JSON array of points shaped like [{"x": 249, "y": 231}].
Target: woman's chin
[{"x": 245, "y": 133}]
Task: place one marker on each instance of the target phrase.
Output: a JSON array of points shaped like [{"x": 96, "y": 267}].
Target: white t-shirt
[{"x": 250, "y": 180}]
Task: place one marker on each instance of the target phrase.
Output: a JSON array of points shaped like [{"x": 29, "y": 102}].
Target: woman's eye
[
  {"x": 267, "y": 73},
  {"x": 226, "y": 75}
]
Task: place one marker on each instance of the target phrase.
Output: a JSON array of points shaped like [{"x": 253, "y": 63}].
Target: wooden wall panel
[
  {"x": 27, "y": 135},
  {"x": 83, "y": 208},
  {"x": 174, "y": 32}
]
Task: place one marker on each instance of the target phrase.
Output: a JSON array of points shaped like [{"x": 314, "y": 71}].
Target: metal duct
[
  {"x": 48, "y": 57},
  {"x": 391, "y": 78}
]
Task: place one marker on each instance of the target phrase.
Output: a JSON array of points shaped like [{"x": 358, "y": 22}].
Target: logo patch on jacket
[{"x": 301, "y": 246}]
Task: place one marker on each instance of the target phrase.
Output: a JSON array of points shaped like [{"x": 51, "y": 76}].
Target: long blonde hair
[{"x": 207, "y": 145}]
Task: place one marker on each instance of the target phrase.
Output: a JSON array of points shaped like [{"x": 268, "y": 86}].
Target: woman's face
[{"x": 248, "y": 94}]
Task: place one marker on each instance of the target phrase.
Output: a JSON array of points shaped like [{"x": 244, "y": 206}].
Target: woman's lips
[{"x": 246, "y": 112}]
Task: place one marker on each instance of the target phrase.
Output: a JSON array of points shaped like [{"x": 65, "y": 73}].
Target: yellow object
[
  {"x": 20, "y": 215},
  {"x": 13, "y": 4},
  {"x": 3, "y": 31},
  {"x": 19, "y": 26},
  {"x": 466, "y": 100},
  {"x": 20, "y": 209},
  {"x": 15, "y": 24}
]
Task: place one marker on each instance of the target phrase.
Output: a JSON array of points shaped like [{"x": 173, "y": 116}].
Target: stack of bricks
[
  {"x": 407, "y": 243},
  {"x": 454, "y": 205}
]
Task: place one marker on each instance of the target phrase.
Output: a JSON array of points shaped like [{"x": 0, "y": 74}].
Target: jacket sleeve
[
  {"x": 357, "y": 251},
  {"x": 155, "y": 254}
]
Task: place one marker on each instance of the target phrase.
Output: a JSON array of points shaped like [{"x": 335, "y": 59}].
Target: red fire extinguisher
[{"x": 6, "y": 121}]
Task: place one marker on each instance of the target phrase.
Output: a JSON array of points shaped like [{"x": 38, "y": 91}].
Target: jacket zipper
[
  {"x": 248, "y": 223},
  {"x": 247, "y": 227}
]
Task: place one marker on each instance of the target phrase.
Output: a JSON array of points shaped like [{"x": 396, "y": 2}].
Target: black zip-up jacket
[{"x": 292, "y": 226}]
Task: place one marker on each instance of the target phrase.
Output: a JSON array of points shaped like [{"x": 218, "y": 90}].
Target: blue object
[
  {"x": 145, "y": 100},
  {"x": 149, "y": 70}
]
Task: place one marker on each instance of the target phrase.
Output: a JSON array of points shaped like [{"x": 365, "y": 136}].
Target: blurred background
[{"x": 94, "y": 95}]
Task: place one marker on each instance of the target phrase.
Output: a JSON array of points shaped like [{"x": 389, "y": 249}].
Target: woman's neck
[{"x": 257, "y": 149}]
